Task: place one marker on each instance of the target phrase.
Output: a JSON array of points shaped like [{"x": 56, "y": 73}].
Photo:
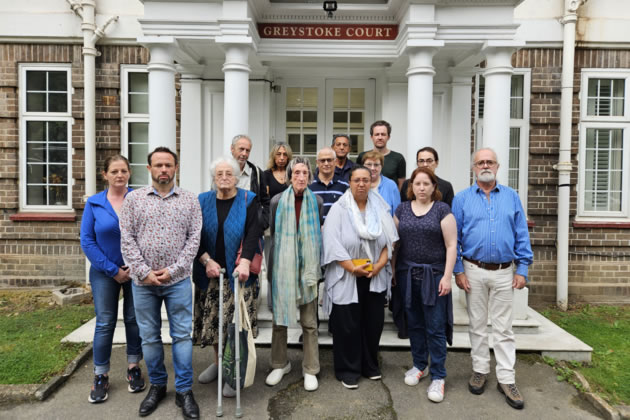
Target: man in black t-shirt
[{"x": 394, "y": 166}]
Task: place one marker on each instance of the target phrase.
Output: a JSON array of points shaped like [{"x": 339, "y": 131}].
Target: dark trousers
[
  {"x": 356, "y": 330},
  {"x": 397, "y": 306}
]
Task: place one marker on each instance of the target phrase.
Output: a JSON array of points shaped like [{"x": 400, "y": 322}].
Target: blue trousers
[
  {"x": 427, "y": 327},
  {"x": 106, "y": 294},
  {"x": 178, "y": 301}
]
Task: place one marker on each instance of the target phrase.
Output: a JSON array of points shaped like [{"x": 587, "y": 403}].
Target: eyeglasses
[
  {"x": 488, "y": 163},
  {"x": 427, "y": 161},
  {"x": 372, "y": 165},
  {"x": 327, "y": 160}
]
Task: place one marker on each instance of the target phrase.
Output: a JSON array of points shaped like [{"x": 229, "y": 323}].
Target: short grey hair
[
  {"x": 294, "y": 162},
  {"x": 474, "y": 155},
  {"x": 327, "y": 149},
  {"x": 336, "y": 136},
  {"x": 241, "y": 136},
  {"x": 223, "y": 159}
]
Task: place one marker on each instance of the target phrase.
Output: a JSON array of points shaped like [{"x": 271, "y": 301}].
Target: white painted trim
[{"x": 25, "y": 116}]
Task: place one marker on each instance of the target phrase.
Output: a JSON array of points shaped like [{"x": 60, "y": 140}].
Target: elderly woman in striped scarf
[{"x": 296, "y": 217}]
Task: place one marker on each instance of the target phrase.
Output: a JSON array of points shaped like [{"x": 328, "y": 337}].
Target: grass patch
[
  {"x": 607, "y": 330},
  {"x": 30, "y": 333}
]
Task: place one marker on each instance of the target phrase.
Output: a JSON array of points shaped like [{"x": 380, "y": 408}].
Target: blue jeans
[
  {"x": 427, "y": 328},
  {"x": 178, "y": 301},
  {"x": 106, "y": 292}
]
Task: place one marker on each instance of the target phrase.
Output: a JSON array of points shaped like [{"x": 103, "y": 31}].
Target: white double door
[{"x": 311, "y": 111}]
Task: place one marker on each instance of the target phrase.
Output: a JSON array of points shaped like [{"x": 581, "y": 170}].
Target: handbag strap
[{"x": 245, "y": 322}]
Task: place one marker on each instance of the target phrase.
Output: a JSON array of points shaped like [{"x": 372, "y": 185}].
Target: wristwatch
[{"x": 205, "y": 262}]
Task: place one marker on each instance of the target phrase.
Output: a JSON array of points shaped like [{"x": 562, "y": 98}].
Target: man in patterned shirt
[{"x": 160, "y": 228}]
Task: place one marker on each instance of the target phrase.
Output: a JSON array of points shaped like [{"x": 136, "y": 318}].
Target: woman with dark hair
[
  {"x": 230, "y": 219},
  {"x": 424, "y": 262},
  {"x": 296, "y": 217},
  {"x": 359, "y": 236},
  {"x": 275, "y": 177},
  {"x": 100, "y": 241}
]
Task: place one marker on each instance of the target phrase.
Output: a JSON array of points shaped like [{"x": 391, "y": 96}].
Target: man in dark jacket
[{"x": 250, "y": 177}]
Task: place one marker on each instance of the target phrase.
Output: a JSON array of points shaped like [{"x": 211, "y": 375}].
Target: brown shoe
[
  {"x": 512, "y": 396},
  {"x": 477, "y": 383}
]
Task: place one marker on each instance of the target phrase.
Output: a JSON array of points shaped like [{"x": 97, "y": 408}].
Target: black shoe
[
  {"x": 186, "y": 400},
  {"x": 98, "y": 393},
  {"x": 152, "y": 400},
  {"x": 135, "y": 379}
]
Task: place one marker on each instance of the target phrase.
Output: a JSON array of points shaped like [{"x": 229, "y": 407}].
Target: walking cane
[
  {"x": 237, "y": 358},
  {"x": 220, "y": 355}
]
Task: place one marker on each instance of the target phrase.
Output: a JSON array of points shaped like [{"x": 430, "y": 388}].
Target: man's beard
[
  {"x": 486, "y": 176},
  {"x": 162, "y": 180}
]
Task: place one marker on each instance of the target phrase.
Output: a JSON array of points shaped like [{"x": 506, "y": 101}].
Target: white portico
[{"x": 234, "y": 79}]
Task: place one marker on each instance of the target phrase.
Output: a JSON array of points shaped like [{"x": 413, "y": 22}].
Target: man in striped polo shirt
[{"x": 326, "y": 184}]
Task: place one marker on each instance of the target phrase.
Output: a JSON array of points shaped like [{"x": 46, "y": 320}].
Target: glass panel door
[{"x": 350, "y": 111}]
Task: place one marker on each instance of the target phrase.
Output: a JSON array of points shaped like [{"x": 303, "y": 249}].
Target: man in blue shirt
[
  {"x": 342, "y": 144},
  {"x": 493, "y": 255},
  {"x": 329, "y": 186}
]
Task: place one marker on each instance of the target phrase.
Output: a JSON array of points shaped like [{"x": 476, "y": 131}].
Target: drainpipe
[
  {"x": 91, "y": 34},
  {"x": 564, "y": 166}
]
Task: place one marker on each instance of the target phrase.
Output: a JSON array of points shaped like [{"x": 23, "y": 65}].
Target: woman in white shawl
[{"x": 358, "y": 226}]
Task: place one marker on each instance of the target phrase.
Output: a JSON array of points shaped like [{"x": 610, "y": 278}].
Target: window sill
[
  {"x": 600, "y": 224},
  {"x": 44, "y": 217}
]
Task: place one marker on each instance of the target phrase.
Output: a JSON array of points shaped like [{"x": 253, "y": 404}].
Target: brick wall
[
  {"x": 47, "y": 253},
  {"x": 598, "y": 258}
]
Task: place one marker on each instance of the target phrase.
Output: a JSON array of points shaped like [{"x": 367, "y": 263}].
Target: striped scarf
[{"x": 296, "y": 267}]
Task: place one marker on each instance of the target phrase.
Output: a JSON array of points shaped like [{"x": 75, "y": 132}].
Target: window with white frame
[
  {"x": 45, "y": 137},
  {"x": 519, "y": 128},
  {"x": 604, "y": 150},
  {"x": 135, "y": 122}
]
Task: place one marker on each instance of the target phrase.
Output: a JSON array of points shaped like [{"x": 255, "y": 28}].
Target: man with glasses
[
  {"x": 342, "y": 144},
  {"x": 327, "y": 184},
  {"x": 394, "y": 166},
  {"x": 493, "y": 256},
  {"x": 428, "y": 157}
]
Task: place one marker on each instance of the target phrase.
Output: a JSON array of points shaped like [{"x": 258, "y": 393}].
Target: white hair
[
  {"x": 241, "y": 136},
  {"x": 474, "y": 155},
  {"x": 223, "y": 159},
  {"x": 327, "y": 149}
]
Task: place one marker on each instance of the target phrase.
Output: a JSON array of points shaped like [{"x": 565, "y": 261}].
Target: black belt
[{"x": 489, "y": 266}]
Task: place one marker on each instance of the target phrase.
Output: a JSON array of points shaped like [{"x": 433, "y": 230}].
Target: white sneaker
[
  {"x": 228, "y": 391},
  {"x": 413, "y": 375},
  {"x": 436, "y": 390},
  {"x": 310, "y": 382},
  {"x": 209, "y": 374},
  {"x": 276, "y": 375}
]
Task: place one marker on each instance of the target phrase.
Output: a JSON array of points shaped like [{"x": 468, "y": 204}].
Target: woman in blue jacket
[{"x": 100, "y": 240}]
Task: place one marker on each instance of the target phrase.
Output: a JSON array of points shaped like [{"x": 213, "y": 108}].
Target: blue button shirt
[{"x": 492, "y": 231}]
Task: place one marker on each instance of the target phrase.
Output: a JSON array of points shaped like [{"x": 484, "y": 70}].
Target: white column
[
  {"x": 161, "y": 92},
  {"x": 236, "y": 100},
  {"x": 461, "y": 102},
  {"x": 496, "y": 113},
  {"x": 191, "y": 149},
  {"x": 419, "y": 100}
]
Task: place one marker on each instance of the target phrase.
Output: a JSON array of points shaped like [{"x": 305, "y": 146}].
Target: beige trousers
[
  {"x": 491, "y": 294},
  {"x": 308, "y": 320}
]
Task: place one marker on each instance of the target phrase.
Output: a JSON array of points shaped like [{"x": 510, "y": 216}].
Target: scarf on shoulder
[
  {"x": 296, "y": 266},
  {"x": 377, "y": 221}
]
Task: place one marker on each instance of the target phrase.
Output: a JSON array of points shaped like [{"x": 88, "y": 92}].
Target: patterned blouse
[{"x": 160, "y": 232}]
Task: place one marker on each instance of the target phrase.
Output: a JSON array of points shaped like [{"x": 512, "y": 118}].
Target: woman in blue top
[
  {"x": 384, "y": 186},
  {"x": 100, "y": 240}
]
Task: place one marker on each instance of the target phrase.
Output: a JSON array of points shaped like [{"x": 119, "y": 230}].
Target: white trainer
[
  {"x": 276, "y": 375},
  {"x": 436, "y": 390},
  {"x": 310, "y": 382},
  {"x": 209, "y": 374},
  {"x": 413, "y": 375}
]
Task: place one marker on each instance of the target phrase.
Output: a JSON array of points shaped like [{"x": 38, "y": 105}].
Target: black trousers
[
  {"x": 356, "y": 330},
  {"x": 397, "y": 306}
]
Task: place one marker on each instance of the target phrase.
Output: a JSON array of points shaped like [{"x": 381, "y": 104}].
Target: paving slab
[{"x": 390, "y": 398}]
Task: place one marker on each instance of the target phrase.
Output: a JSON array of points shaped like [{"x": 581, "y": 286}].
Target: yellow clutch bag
[{"x": 360, "y": 261}]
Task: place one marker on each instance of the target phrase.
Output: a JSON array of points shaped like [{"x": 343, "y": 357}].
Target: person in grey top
[{"x": 358, "y": 227}]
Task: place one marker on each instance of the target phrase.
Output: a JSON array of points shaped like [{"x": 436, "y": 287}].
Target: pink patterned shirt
[{"x": 160, "y": 232}]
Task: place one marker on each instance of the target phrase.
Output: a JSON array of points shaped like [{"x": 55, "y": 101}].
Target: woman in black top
[{"x": 275, "y": 175}]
